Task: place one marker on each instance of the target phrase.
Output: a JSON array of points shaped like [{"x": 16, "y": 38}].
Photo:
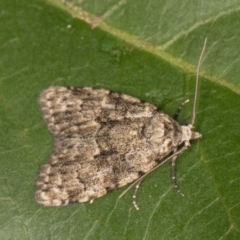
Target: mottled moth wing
[{"x": 103, "y": 141}]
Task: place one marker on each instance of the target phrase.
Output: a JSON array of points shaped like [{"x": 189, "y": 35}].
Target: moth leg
[
  {"x": 135, "y": 195},
  {"x": 179, "y": 109},
  {"x": 174, "y": 159}
]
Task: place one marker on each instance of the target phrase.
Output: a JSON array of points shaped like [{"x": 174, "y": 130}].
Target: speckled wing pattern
[{"x": 103, "y": 141}]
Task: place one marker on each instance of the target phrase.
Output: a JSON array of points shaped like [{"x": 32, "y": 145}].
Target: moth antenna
[{"x": 197, "y": 82}]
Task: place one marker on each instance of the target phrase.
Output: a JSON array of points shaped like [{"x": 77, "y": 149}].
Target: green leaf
[{"x": 148, "y": 49}]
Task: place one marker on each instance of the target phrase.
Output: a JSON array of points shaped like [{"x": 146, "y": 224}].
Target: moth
[{"x": 105, "y": 140}]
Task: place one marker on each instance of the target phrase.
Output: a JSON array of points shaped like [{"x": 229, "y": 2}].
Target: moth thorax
[{"x": 188, "y": 134}]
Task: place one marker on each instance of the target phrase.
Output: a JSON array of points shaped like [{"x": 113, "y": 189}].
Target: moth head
[{"x": 188, "y": 134}]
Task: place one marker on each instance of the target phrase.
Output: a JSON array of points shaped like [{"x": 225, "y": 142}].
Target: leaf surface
[{"x": 148, "y": 49}]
